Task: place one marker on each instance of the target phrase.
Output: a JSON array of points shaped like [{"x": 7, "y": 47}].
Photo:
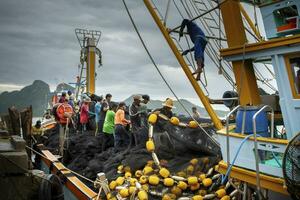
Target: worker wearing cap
[
  {"x": 135, "y": 118},
  {"x": 166, "y": 109},
  {"x": 199, "y": 39}
]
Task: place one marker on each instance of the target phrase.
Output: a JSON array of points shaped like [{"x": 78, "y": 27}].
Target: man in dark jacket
[
  {"x": 198, "y": 38},
  {"x": 135, "y": 117}
]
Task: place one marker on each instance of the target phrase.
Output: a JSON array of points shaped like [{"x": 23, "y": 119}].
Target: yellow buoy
[
  {"x": 226, "y": 197},
  {"x": 169, "y": 197},
  {"x": 143, "y": 179},
  {"x": 181, "y": 174},
  {"x": 120, "y": 168},
  {"x": 142, "y": 195},
  {"x": 147, "y": 170},
  {"x": 202, "y": 176},
  {"x": 164, "y": 172},
  {"x": 124, "y": 192},
  {"x": 175, "y": 121},
  {"x": 220, "y": 193},
  {"x": 202, "y": 192},
  {"x": 176, "y": 190},
  {"x": 152, "y": 119},
  {"x": 133, "y": 181},
  {"x": 207, "y": 182},
  {"x": 132, "y": 189},
  {"x": 182, "y": 185},
  {"x": 127, "y": 175},
  {"x": 194, "y": 161},
  {"x": 193, "y": 124},
  {"x": 127, "y": 169},
  {"x": 113, "y": 185},
  {"x": 150, "y": 146},
  {"x": 168, "y": 182},
  {"x": 153, "y": 180},
  {"x": 120, "y": 180},
  {"x": 145, "y": 187},
  {"x": 190, "y": 169},
  {"x": 195, "y": 187},
  {"x": 138, "y": 173},
  {"x": 197, "y": 197},
  {"x": 192, "y": 180}
]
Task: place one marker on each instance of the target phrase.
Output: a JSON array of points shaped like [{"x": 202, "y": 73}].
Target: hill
[
  {"x": 153, "y": 104},
  {"x": 37, "y": 94}
]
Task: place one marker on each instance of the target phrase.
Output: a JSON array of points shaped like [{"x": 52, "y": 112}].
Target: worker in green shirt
[{"x": 109, "y": 128}]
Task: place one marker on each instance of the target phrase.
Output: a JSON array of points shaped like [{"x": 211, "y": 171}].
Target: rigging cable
[{"x": 158, "y": 70}]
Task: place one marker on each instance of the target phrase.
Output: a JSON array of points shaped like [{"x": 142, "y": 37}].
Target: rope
[{"x": 161, "y": 75}]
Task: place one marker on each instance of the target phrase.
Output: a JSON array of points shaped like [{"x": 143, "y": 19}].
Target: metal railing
[
  {"x": 227, "y": 132},
  {"x": 255, "y": 142}
]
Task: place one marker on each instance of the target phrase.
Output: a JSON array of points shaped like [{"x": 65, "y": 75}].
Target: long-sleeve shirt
[
  {"x": 84, "y": 113},
  {"x": 97, "y": 111},
  {"x": 120, "y": 118},
  {"x": 197, "y": 36}
]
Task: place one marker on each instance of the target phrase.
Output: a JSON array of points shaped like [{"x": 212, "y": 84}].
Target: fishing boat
[
  {"x": 259, "y": 139},
  {"x": 253, "y": 149}
]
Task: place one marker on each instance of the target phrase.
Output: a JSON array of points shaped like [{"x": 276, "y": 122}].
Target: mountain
[
  {"x": 37, "y": 94},
  {"x": 153, "y": 104}
]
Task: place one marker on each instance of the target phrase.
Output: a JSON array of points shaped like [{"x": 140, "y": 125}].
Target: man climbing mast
[{"x": 198, "y": 38}]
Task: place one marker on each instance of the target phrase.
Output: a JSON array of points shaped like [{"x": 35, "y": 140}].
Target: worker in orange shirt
[
  {"x": 64, "y": 113},
  {"x": 122, "y": 138}
]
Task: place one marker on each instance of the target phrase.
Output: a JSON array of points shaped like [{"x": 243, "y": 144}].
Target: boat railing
[
  {"x": 227, "y": 131},
  {"x": 255, "y": 141}
]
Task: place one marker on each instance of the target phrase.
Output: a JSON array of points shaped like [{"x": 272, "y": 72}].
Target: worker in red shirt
[{"x": 64, "y": 113}]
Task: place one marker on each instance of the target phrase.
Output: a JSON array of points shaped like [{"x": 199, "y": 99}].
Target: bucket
[{"x": 261, "y": 121}]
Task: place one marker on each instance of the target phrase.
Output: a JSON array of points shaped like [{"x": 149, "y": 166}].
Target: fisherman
[
  {"x": 71, "y": 101},
  {"x": 195, "y": 113},
  {"x": 84, "y": 113},
  {"x": 63, "y": 97},
  {"x": 166, "y": 109},
  {"x": 70, "y": 93},
  {"x": 37, "y": 131},
  {"x": 144, "y": 110},
  {"x": 64, "y": 114},
  {"x": 121, "y": 135},
  {"x": 104, "y": 108},
  {"x": 109, "y": 128},
  {"x": 108, "y": 98},
  {"x": 135, "y": 118},
  {"x": 97, "y": 113},
  {"x": 199, "y": 39}
]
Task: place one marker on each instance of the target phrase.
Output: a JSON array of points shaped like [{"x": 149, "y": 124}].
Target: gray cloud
[{"x": 37, "y": 41}]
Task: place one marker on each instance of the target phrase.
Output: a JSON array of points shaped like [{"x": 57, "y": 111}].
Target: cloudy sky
[{"x": 37, "y": 41}]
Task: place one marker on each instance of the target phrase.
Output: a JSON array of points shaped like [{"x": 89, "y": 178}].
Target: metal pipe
[
  {"x": 256, "y": 146},
  {"x": 203, "y": 98},
  {"x": 227, "y": 133}
]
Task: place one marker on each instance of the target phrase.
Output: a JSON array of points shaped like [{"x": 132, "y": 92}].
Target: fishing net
[{"x": 175, "y": 147}]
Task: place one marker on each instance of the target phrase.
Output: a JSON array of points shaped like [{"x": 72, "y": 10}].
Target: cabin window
[
  {"x": 293, "y": 69},
  {"x": 286, "y": 18}
]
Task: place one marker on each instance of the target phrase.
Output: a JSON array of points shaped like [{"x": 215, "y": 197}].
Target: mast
[
  {"x": 243, "y": 70},
  {"x": 184, "y": 66}
]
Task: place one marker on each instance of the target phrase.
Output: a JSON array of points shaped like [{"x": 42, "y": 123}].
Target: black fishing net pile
[{"x": 176, "y": 146}]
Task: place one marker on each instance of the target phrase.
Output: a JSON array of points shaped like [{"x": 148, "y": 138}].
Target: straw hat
[
  {"x": 87, "y": 100},
  {"x": 168, "y": 103},
  {"x": 137, "y": 97}
]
